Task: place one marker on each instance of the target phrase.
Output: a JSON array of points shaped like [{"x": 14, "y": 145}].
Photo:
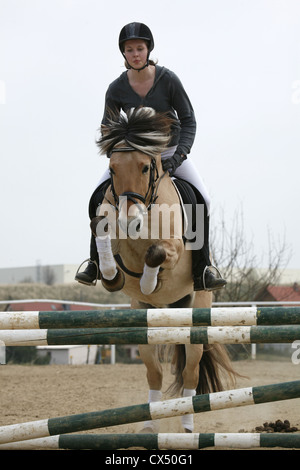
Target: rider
[{"x": 146, "y": 84}]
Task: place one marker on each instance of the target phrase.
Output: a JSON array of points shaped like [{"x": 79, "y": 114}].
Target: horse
[{"x": 153, "y": 268}]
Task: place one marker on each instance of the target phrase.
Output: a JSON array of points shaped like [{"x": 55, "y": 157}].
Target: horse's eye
[
  {"x": 112, "y": 172},
  {"x": 145, "y": 169}
]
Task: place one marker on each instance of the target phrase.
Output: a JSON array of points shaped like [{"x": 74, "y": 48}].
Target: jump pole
[
  {"x": 160, "y": 441},
  {"x": 173, "y": 317},
  {"x": 150, "y": 411},
  {"x": 159, "y": 335}
]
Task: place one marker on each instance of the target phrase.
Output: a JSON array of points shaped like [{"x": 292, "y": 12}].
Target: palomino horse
[{"x": 153, "y": 269}]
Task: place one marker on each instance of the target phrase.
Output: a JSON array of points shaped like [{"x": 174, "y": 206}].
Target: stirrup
[
  {"x": 93, "y": 283},
  {"x": 204, "y": 272}
]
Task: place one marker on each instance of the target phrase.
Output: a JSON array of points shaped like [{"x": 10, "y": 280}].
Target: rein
[{"x": 152, "y": 186}]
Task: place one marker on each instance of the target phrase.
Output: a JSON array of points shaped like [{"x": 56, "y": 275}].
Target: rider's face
[{"x": 136, "y": 53}]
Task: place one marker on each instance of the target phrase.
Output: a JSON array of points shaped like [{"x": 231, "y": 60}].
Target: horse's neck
[
  {"x": 167, "y": 193},
  {"x": 164, "y": 220}
]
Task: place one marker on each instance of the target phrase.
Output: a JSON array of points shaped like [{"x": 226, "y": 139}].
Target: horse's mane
[{"x": 141, "y": 128}]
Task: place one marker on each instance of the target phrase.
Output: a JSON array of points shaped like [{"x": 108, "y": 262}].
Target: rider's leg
[
  {"x": 90, "y": 274},
  {"x": 203, "y": 275}
]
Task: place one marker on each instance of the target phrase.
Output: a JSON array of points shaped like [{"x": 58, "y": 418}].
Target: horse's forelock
[{"x": 141, "y": 128}]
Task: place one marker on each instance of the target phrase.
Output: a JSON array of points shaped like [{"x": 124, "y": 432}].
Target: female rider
[{"x": 146, "y": 84}]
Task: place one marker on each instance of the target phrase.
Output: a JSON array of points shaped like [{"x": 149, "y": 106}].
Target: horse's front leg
[
  {"x": 164, "y": 254},
  {"x": 148, "y": 354},
  {"x": 190, "y": 376},
  {"x": 111, "y": 277}
]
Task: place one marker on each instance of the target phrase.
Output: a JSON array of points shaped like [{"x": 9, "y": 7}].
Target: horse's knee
[{"x": 155, "y": 256}]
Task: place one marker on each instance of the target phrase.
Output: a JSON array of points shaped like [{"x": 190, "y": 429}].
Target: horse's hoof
[
  {"x": 187, "y": 430},
  {"x": 116, "y": 284}
]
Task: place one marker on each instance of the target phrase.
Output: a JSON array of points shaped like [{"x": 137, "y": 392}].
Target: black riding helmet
[{"x": 136, "y": 31}]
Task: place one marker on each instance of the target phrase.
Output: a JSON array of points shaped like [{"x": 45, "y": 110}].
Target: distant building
[
  {"x": 65, "y": 274},
  {"x": 280, "y": 294},
  {"x": 50, "y": 274},
  {"x": 70, "y": 355}
]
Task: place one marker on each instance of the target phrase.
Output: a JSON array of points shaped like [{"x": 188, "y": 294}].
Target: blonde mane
[{"x": 140, "y": 128}]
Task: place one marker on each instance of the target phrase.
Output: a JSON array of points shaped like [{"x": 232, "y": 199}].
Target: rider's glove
[{"x": 171, "y": 164}]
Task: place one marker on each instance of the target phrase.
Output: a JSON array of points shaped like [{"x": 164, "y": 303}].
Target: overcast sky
[{"x": 239, "y": 61}]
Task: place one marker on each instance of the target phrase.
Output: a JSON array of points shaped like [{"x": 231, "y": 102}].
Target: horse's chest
[{"x": 133, "y": 254}]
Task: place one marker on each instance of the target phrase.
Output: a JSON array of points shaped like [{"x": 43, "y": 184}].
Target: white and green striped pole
[
  {"x": 150, "y": 411},
  {"x": 160, "y": 441},
  {"x": 152, "y": 335},
  {"x": 153, "y": 317}
]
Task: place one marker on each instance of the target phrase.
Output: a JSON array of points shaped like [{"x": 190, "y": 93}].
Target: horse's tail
[{"x": 215, "y": 370}]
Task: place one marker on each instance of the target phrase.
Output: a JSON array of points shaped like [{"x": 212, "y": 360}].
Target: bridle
[
  {"x": 154, "y": 181},
  {"x": 133, "y": 196}
]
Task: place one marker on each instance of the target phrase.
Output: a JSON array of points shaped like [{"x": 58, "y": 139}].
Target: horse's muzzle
[{"x": 131, "y": 219}]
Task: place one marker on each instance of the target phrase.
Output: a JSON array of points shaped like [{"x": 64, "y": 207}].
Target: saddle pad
[{"x": 187, "y": 195}]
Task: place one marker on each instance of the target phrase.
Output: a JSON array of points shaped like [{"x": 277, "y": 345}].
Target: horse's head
[{"x": 133, "y": 143}]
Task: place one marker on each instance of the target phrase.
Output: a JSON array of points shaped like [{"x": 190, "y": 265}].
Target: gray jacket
[{"x": 166, "y": 95}]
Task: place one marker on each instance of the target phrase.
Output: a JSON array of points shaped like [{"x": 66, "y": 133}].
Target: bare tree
[{"x": 240, "y": 265}]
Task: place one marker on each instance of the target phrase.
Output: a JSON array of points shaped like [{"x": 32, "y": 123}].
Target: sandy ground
[{"x": 30, "y": 393}]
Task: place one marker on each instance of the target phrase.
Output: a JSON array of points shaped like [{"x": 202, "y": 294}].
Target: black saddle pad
[
  {"x": 191, "y": 196},
  {"x": 187, "y": 191}
]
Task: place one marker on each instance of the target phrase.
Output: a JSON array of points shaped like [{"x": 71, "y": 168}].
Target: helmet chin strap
[{"x": 142, "y": 68}]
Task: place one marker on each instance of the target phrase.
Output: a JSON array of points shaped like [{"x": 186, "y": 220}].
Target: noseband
[{"x": 132, "y": 196}]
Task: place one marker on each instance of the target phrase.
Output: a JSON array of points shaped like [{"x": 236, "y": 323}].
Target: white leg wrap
[
  {"x": 187, "y": 421},
  {"x": 154, "y": 395},
  {"x": 107, "y": 264},
  {"x": 149, "y": 279}
]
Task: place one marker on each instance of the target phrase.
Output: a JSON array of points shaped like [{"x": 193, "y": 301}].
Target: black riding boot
[
  {"x": 206, "y": 280},
  {"x": 92, "y": 273},
  {"x": 203, "y": 272}
]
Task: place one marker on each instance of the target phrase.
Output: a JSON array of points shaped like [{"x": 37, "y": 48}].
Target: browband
[{"x": 121, "y": 149}]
